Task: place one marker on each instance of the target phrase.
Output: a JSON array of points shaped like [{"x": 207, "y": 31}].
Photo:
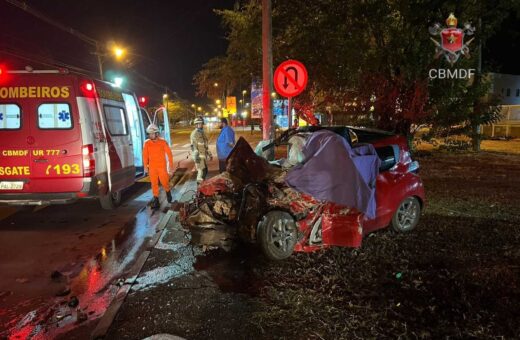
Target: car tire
[
  {"x": 111, "y": 200},
  {"x": 277, "y": 235},
  {"x": 407, "y": 215}
]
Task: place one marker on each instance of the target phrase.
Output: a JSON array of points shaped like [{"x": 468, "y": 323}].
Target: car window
[
  {"x": 54, "y": 116},
  {"x": 116, "y": 120},
  {"x": 10, "y": 117},
  {"x": 389, "y": 155}
]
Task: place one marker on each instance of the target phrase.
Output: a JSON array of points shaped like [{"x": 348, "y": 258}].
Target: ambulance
[{"x": 65, "y": 137}]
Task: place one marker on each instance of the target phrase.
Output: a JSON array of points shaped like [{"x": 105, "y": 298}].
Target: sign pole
[{"x": 289, "y": 112}]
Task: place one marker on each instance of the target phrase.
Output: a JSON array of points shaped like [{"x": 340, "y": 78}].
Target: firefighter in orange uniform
[{"x": 155, "y": 151}]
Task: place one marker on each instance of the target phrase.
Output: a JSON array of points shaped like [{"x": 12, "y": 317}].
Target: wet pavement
[
  {"x": 70, "y": 254},
  {"x": 189, "y": 293},
  {"x": 64, "y": 266}
]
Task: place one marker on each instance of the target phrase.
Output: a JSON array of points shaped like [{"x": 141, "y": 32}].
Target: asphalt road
[
  {"x": 51, "y": 255},
  {"x": 63, "y": 266}
]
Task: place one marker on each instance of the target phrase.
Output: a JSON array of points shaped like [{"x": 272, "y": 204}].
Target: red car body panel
[
  {"x": 340, "y": 226},
  {"x": 345, "y": 227}
]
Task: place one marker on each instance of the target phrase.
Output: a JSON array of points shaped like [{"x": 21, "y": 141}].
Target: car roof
[{"x": 365, "y": 135}]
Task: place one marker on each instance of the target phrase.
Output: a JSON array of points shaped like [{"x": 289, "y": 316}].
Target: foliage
[{"x": 367, "y": 60}]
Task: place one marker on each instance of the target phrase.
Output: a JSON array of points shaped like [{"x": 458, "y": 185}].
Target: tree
[{"x": 367, "y": 59}]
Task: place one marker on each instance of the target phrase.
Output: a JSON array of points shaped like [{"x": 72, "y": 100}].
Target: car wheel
[
  {"x": 277, "y": 235},
  {"x": 111, "y": 200},
  {"x": 407, "y": 215}
]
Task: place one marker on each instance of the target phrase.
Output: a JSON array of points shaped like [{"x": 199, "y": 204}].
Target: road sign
[
  {"x": 231, "y": 104},
  {"x": 290, "y": 78}
]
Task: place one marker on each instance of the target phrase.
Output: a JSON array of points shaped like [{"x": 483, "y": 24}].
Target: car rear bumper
[
  {"x": 37, "y": 199},
  {"x": 47, "y": 198}
]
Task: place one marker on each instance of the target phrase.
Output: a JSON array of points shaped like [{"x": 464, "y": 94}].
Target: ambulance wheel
[
  {"x": 111, "y": 200},
  {"x": 277, "y": 235}
]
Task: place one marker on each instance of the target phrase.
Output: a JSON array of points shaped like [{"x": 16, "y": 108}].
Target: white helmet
[
  {"x": 198, "y": 121},
  {"x": 152, "y": 128}
]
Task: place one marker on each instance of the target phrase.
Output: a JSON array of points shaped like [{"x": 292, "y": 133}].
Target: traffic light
[{"x": 143, "y": 101}]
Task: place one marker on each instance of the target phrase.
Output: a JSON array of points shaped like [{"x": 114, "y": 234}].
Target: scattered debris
[
  {"x": 81, "y": 316},
  {"x": 64, "y": 292},
  {"x": 73, "y": 302},
  {"x": 5, "y": 294},
  {"x": 56, "y": 275}
]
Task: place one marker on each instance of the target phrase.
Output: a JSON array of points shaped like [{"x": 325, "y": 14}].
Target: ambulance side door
[{"x": 120, "y": 146}]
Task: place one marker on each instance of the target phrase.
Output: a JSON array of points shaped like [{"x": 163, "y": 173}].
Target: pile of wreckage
[{"x": 316, "y": 197}]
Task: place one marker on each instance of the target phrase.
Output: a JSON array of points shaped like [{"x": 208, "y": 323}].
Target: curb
[{"x": 106, "y": 320}]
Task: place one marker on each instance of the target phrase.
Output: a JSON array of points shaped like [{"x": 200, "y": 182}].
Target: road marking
[{"x": 186, "y": 145}]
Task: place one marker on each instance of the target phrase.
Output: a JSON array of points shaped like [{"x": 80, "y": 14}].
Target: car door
[{"x": 385, "y": 187}]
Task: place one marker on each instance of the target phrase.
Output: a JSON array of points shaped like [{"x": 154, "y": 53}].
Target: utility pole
[
  {"x": 476, "y": 139},
  {"x": 267, "y": 72},
  {"x": 100, "y": 61}
]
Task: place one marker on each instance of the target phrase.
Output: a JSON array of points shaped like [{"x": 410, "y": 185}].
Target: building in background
[{"x": 507, "y": 87}]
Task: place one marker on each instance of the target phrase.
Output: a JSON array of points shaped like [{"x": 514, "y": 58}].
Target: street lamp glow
[
  {"x": 216, "y": 84},
  {"x": 215, "y": 110},
  {"x": 199, "y": 108},
  {"x": 217, "y": 101},
  {"x": 244, "y": 92},
  {"x": 244, "y": 114},
  {"x": 273, "y": 94},
  {"x": 118, "y": 81},
  {"x": 118, "y": 52},
  {"x": 193, "y": 105},
  {"x": 165, "y": 96}
]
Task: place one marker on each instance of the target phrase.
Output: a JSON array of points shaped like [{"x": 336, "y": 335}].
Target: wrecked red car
[{"x": 336, "y": 185}]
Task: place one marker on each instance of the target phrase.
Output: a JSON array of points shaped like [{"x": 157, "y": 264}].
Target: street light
[
  {"x": 215, "y": 84},
  {"x": 165, "y": 96},
  {"x": 118, "y": 81},
  {"x": 199, "y": 109},
  {"x": 218, "y": 101},
  {"x": 118, "y": 52}
]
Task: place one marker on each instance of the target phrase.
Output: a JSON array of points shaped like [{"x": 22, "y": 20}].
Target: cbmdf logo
[{"x": 451, "y": 43}]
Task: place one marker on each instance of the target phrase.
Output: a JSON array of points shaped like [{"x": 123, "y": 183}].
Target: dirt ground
[{"x": 457, "y": 275}]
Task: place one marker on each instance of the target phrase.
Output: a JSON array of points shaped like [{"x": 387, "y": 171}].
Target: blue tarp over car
[{"x": 334, "y": 171}]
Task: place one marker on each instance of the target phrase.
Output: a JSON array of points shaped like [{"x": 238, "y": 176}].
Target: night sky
[{"x": 170, "y": 40}]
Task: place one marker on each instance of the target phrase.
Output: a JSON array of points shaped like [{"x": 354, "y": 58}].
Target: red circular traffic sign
[{"x": 290, "y": 78}]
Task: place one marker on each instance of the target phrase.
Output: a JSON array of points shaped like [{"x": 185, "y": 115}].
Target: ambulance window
[
  {"x": 54, "y": 116},
  {"x": 146, "y": 119},
  {"x": 10, "y": 117},
  {"x": 116, "y": 120}
]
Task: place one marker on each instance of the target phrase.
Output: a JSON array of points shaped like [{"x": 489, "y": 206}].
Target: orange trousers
[{"x": 157, "y": 175}]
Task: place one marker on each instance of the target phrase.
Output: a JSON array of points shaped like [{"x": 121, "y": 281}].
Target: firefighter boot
[
  {"x": 155, "y": 203},
  {"x": 169, "y": 196}
]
